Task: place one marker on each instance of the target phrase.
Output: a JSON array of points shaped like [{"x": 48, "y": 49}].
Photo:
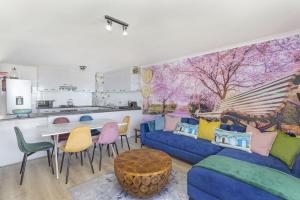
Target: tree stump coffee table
[{"x": 143, "y": 172}]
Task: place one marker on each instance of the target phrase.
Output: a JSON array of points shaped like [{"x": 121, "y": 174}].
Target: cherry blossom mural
[{"x": 199, "y": 83}]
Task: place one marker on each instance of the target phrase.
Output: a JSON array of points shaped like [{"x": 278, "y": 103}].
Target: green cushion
[{"x": 286, "y": 148}]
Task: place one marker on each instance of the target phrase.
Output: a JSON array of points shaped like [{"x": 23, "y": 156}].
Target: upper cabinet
[
  {"x": 62, "y": 80},
  {"x": 123, "y": 80}
]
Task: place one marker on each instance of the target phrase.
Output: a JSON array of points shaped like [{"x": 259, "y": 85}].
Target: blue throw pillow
[
  {"x": 225, "y": 127},
  {"x": 151, "y": 125},
  {"x": 238, "y": 128},
  {"x": 159, "y": 123},
  {"x": 187, "y": 129}
]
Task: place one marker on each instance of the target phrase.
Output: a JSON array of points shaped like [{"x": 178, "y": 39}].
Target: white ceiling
[{"x": 69, "y": 33}]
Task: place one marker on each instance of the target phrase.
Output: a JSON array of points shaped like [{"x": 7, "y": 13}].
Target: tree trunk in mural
[{"x": 218, "y": 71}]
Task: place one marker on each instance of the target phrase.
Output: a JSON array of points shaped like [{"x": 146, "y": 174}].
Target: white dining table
[{"x": 57, "y": 129}]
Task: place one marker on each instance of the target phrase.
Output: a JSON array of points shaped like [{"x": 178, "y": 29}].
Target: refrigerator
[{"x": 18, "y": 94}]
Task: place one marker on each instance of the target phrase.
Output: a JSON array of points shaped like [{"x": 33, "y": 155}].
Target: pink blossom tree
[{"x": 168, "y": 85}]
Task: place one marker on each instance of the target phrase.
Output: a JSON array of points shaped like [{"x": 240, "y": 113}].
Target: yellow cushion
[{"x": 207, "y": 129}]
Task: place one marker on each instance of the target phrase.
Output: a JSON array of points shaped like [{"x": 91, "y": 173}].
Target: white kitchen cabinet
[
  {"x": 48, "y": 79},
  {"x": 123, "y": 80},
  {"x": 52, "y": 79}
]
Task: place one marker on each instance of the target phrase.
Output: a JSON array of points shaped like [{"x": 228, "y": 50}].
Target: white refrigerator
[{"x": 18, "y": 94}]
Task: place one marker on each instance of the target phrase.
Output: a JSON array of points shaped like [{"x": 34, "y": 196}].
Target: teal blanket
[{"x": 271, "y": 180}]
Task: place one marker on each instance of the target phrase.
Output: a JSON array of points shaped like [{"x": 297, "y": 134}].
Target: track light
[
  {"x": 125, "y": 31},
  {"x": 109, "y": 25},
  {"x": 110, "y": 20}
]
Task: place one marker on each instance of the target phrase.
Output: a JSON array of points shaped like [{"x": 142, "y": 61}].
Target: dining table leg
[{"x": 55, "y": 153}]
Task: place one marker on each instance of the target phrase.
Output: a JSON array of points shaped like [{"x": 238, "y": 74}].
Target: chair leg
[
  {"x": 122, "y": 141},
  {"x": 48, "y": 155},
  {"x": 23, "y": 168},
  {"x": 51, "y": 164},
  {"x": 127, "y": 142},
  {"x": 68, "y": 166},
  {"x": 62, "y": 162},
  {"x": 100, "y": 149},
  {"x": 81, "y": 160},
  {"x": 22, "y": 164},
  {"x": 52, "y": 152},
  {"x": 90, "y": 159},
  {"x": 76, "y": 155},
  {"x": 116, "y": 148},
  {"x": 94, "y": 152}
]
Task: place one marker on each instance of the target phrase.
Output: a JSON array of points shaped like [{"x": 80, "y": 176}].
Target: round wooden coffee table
[{"x": 143, "y": 172}]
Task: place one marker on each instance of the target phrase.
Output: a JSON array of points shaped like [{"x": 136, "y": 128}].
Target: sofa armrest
[
  {"x": 144, "y": 129},
  {"x": 296, "y": 166}
]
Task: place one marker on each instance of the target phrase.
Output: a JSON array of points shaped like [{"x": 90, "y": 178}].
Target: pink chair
[
  {"x": 109, "y": 135},
  {"x": 62, "y": 139}
]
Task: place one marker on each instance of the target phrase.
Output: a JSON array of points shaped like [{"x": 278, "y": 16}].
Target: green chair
[{"x": 31, "y": 148}]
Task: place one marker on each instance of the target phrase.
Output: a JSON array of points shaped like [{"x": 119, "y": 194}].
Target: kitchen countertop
[{"x": 39, "y": 115}]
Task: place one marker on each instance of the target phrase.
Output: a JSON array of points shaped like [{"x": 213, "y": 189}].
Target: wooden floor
[{"x": 40, "y": 184}]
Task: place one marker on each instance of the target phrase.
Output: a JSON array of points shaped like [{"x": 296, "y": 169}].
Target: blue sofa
[{"x": 205, "y": 184}]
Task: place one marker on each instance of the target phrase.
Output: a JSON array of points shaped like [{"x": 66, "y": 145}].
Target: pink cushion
[
  {"x": 171, "y": 122},
  {"x": 261, "y": 143}
]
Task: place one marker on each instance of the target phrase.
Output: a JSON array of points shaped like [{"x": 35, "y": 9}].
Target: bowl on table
[{"x": 22, "y": 112}]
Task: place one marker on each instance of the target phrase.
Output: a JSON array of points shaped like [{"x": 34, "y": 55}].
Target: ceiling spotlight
[
  {"x": 110, "y": 20},
  {"x": 125, "y": 30},
  {"x": 109, "y": 25}
]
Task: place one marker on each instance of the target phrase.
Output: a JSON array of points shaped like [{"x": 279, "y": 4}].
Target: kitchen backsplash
[
  {"x": 117, "y": 99},
  {"x": 61, "y": 98}
]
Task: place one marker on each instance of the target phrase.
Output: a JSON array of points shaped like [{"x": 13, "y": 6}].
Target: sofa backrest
[
  {"x": 190, "y": 121},
  {"x": 296, "y": 166}
]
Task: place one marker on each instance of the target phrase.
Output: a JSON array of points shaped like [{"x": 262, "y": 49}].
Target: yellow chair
[
  {"x": 123, "y": 130},
  {"x": 79, "y": 140}
]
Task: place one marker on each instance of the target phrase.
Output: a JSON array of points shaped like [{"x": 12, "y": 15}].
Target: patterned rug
[{"x": 107, "y": 188}]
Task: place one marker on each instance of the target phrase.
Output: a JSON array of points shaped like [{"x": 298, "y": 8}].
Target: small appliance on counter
[
  {"x": 45, "y": 103},
  {"x": 132, "y": 104},
  {"x": 18, "y": 95}
]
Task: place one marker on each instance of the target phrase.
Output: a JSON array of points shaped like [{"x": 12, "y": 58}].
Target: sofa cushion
[
  {"x": 198, "y": 146},
  {"x": 171, "y": 122},
  {"x": 187, "y": 130},
  {"x": 159, "y": 123},
  {"x": 286, "y": 148},
  {"x": 255, "y": 158},
  {"x": 261, "y": 143},
  {"x": 221, "y": 186},
  {"x": 206, "y": 129},
  {"x": 232, "y": 139},
  {"x": 151, "y": 125}
]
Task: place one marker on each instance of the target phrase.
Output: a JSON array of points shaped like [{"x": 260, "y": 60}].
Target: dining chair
[
  {"x": 123, "y": 130},
  {"x": 94, "y": 132},
  {"x": 30, "y": 148},
  {"x": 109, "y": 135},
  {"x": 79, "y": 140},
  {"x": 62, "y": 138}
]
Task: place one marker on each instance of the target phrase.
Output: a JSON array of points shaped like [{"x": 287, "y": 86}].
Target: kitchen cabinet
[
  {"x": 123, "y": 80},
  {"x": 53, "y": 79}
]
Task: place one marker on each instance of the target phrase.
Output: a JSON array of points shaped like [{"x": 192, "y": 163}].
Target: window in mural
[{"x": 206, "y": 83}]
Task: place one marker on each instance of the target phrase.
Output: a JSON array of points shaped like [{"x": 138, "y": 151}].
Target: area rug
[{"x": 107, "y": 188}]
